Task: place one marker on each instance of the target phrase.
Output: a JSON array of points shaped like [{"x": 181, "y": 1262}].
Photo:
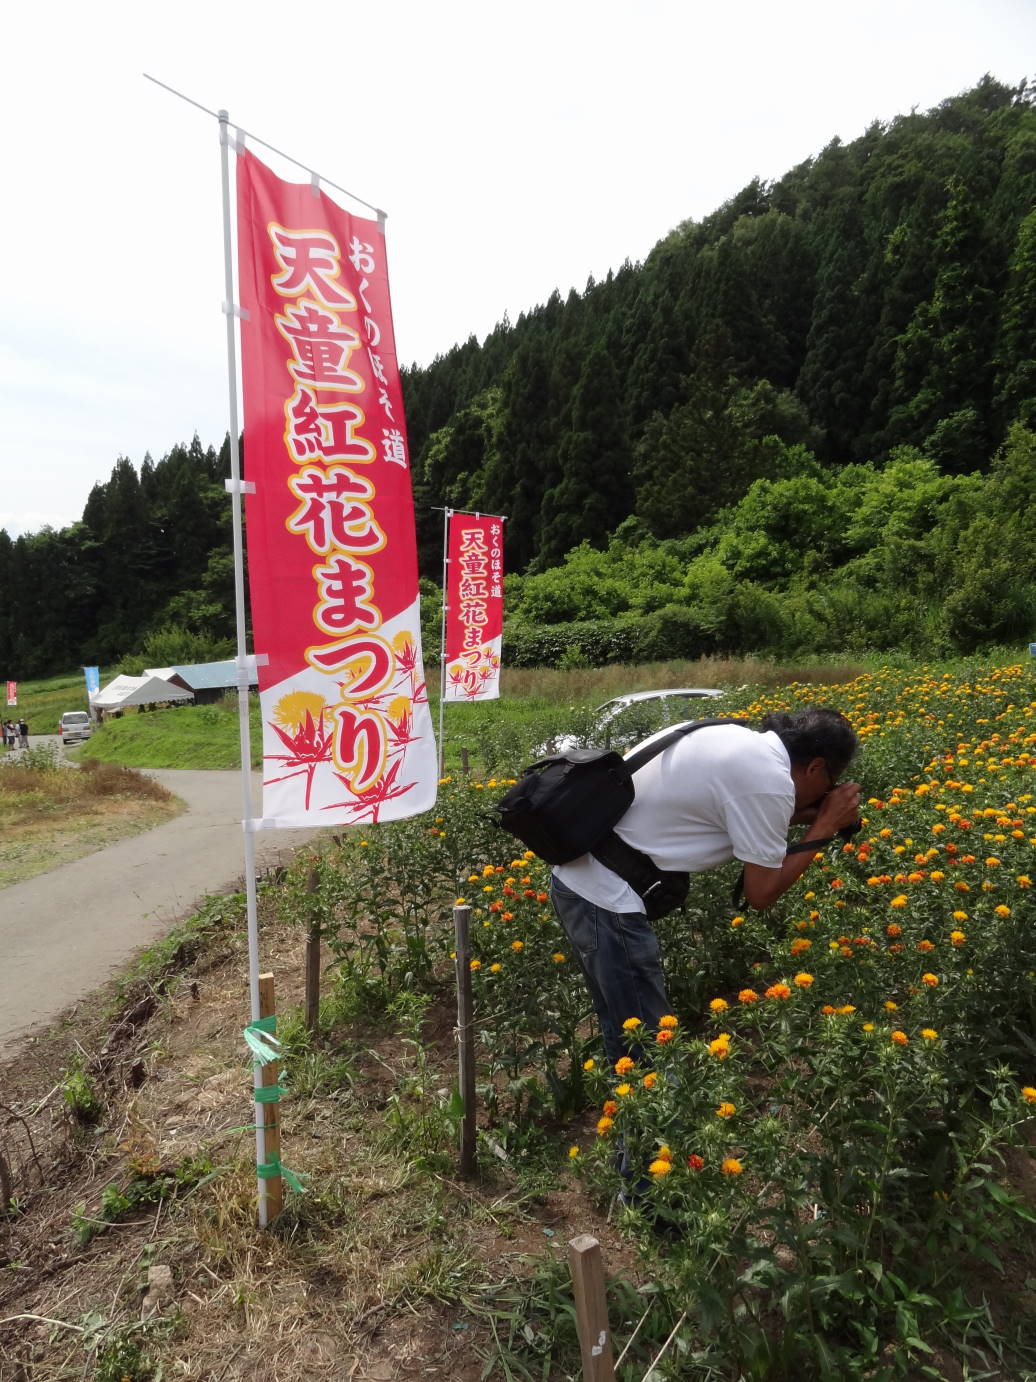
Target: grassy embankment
[{"x": 207, "y": 736}]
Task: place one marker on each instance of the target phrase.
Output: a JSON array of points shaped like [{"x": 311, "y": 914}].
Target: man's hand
[
  {"x": 841, "y": 807},
  {"x": 838, "y": 809}
]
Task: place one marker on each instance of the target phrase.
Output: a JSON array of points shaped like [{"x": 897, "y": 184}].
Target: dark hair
[{"x": 815, "y": 732}]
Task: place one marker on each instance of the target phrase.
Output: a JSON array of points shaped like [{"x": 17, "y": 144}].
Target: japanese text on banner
[
  {"x": 474, "y": 601},
  {"x": 330, "y": 527}
]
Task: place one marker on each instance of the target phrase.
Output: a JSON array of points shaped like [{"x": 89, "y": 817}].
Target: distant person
[
  {"x": 9, "y": 734},
  {"x": 23, "y": 733}
]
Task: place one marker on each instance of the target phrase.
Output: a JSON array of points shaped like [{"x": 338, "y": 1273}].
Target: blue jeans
[{"x": 621, "y": 963}]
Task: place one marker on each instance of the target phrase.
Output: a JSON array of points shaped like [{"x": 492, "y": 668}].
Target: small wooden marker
[
  {"x": 312, "y": 960},
  {"x": 269, "y": 1114},
  {"x": 465, "y": 1038},
  {"x": 595, "y": 1340}
]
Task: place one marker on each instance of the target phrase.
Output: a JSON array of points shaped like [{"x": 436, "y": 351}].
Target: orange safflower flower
[
  {"x": 748, "y": 996},
  {"x": 731, "y": 1166},
  {"x": 900, "y": 1038},
  {"x": 778, "y": 991}
]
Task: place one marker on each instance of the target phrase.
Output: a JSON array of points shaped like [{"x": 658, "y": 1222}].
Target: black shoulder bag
[{"x": 568, "y": 805}]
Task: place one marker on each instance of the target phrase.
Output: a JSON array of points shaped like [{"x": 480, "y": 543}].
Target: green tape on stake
[
  {"x": 260, "y": 1040},
  {"x": 269, "y": 1170},
  {"x": 269, "y": 1094}
]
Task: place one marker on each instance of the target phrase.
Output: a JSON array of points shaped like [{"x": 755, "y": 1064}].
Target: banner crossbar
[{"x": 381, "y": 215}]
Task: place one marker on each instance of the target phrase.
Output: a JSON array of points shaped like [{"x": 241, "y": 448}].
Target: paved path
[{"x": 64, "y": 933}]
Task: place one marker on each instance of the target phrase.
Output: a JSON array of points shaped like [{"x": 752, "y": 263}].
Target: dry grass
[
  {"x": 601, "y": 683},
  {"x": 91, "y": 781},
  {"x": 51, "y": 813}
]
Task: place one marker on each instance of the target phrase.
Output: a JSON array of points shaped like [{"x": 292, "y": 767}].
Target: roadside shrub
[
  {"x": 597, "y": 642},
  {"x": 113, "y": 780}
]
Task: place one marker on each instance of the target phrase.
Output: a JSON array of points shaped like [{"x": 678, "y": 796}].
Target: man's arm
[{"x": 840, "y": 808}]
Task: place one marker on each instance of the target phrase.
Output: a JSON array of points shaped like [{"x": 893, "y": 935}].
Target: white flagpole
[
  {"x": 446, "y": 513},
  {"x": 248, "y": 820}
]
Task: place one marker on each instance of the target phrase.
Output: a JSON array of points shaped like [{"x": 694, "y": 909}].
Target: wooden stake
[
  {"x": 270, "y": 1113},
  {"x": 465, "y": 1039},
  {"x": 595, "y": 1340},
  {"x": 312, "y": 960},
  {"x": 465, "y": 766}
]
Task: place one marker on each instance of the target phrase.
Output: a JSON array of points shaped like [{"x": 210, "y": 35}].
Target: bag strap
[
  {"x": 632, "y": 865},
  {"x": 639, "y": 757}
]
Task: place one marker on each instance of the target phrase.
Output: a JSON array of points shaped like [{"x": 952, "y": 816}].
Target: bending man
[{"x": 724, "y": 792}]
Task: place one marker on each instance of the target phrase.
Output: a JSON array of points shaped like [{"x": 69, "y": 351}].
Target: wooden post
[
  {"x": 595, "y": 1340},
  {"x": 270, "y": 1113},
  {"x": 465, "y": 765},
  {"x": 465, "y": 1038},
  {"x": 312, "y": 959}
]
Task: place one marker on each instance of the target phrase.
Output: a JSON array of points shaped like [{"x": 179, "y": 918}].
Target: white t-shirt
[{"x": 724, "y": 792}]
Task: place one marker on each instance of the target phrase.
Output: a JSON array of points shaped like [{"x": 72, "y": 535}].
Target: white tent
[{"x": 124, "y": 691}]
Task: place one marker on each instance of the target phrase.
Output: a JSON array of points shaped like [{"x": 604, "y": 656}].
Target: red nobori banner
[
  {"x": 332, "y": 555},
  {"x": 12, "y": 693},
  {"x": 474, "y": 607}
]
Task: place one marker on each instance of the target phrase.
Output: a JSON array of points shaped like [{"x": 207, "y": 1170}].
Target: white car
[
  {"x": 625, "y": 720},
  {"x": 75, "y": 726}
]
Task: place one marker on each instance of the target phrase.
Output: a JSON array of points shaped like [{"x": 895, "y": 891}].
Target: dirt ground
[{"x": 380, "y": 1271}]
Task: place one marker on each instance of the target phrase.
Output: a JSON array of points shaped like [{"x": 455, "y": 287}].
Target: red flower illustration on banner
[
  {"x": 372, "y": 800},
  {"x": 400, "y": 725},
  {"x": 307, "y": 741}
]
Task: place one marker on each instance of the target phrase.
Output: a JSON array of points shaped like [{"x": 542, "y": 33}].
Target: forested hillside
[
  {"x": 803, "y": 422},
  {"x": 878, "y": 295},
  {"x": 151, "y": 552}
]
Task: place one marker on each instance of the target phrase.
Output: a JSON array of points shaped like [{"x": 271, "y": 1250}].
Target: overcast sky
[{"x": 517, "y": 148}]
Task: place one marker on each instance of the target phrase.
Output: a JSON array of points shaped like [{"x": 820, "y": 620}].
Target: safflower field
[{"x": 820, "y": 1135}]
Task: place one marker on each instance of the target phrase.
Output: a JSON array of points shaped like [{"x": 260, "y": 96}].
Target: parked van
[{"x": 74, "y": 726}]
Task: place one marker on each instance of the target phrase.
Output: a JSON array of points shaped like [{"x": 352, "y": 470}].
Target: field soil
[{"x": 381, "y": 1271}]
